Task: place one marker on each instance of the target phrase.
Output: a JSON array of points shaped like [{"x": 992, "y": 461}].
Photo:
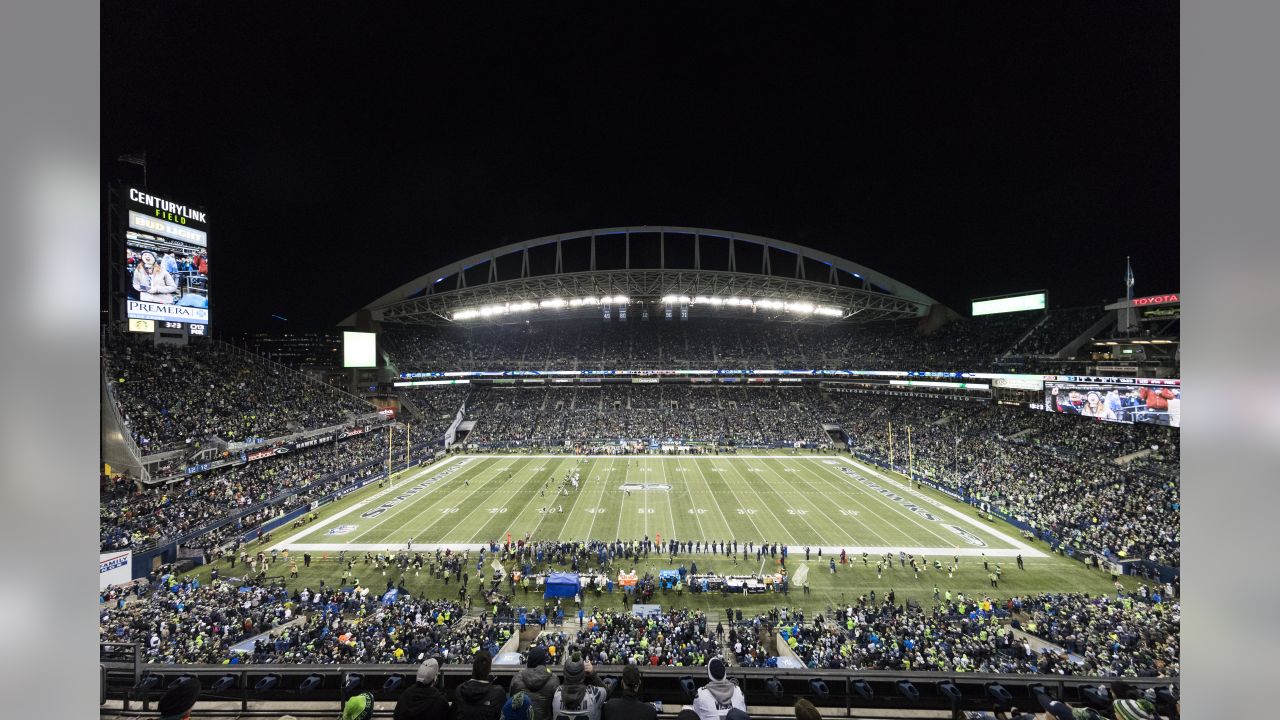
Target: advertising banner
[{"x": 115, "y": 568}]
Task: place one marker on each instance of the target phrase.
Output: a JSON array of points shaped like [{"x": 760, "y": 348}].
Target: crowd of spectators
[
  {"x": 184, "y": 621},
  {"x": 180, "y": 397},
  {"x": 645, "y": 413},
  {"x": 137, "y": 517},
  {"x": 1058, "y": 328},
  {"x": 674, "y": 637},
  {"x": 708, "y": 342},
  {"x": 1054, "y": 472},
  {"x": 1095, "y": 636}
]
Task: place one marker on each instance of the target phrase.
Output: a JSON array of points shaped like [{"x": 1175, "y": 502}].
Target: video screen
[
  {"x": 1157, "y": 404},
  {"x": 166, "y": 262}
]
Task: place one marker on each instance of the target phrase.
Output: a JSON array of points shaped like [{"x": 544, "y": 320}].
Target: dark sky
[{"x": 965, "y": 149}]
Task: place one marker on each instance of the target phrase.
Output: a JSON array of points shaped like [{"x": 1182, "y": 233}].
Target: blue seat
[
  {"x": 393, "y": 683},
  {"x": 908, "y": 690},
  {"x": 311, "y": 683},
  {"x": 818, "y": 688},
  {"x": 267, "y": 683}
]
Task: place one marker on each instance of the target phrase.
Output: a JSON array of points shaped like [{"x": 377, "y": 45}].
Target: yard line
[
  {"x": 780, "y": 496},
  {"x": 410, "y": 524},
  {"x": 675, "y": 534},
  {"x": 815, "y": 506},
  {"x": 841, "y": 489},
  {"x": 442, "y": 528},
  {"x": 330, "y": 522},
  {"x": 759, "y": 535},
  {"x": 404, "y": 506},
  {"x": 762, "y": 502},
  {"x": 897, "y": 509},
  {"x": 567, "y": 515},
  {"x": 603, "y": 482},
  {"x": 515, "y": 521},
  {"x": 711, "y": 497},
  {"x": 949, "y": 510},
  {"x": 622, "y": 498}
]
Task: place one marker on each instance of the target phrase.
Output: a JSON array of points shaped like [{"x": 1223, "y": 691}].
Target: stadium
[{"x": 647, "y": 446}]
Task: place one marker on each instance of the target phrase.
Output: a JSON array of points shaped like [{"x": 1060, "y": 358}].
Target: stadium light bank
[{"x": 798, "y": 307}]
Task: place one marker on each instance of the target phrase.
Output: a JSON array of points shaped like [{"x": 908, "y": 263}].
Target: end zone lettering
[{"x": 414, "y": 490}]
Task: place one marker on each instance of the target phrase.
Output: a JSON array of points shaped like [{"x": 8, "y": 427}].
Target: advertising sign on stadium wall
[{"x": 115, "y": 568}]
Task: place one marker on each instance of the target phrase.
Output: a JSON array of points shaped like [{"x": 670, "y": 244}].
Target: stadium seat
[
  {"x": 1097, "y": 697},
  {"x": 907, "y": 690},
  {"x": 818, "y": 688},
  {"x": 688, "y": 686},
  {"x": 351, "y": 683},
  {"x": 862, "y": 689},
  {"x": 948, "y": 690},
  {"x": 148, "y": 682},
  {"x": 267, "y": 683},
  {"x": 393, "y": 683},
  {"x": 774, "y": 686},
  {"x": 998, "y": 693},
  {"x": 311, "y": 683},
  {"x": 225, "y": 683}
]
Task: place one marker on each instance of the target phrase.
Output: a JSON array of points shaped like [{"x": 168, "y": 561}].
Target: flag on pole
[
  {"x": 1128, "y": 274},
  {"x": 135, "y": 158}
]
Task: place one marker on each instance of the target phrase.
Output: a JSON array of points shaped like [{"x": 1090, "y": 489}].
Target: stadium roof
[{"x": 691, "y": 264}]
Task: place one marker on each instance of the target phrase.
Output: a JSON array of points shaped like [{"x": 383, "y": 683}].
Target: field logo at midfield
[
  {"x": 647, "y": 486},
  {"x": 341, "y": 530},
  {"x": 895, "y": 497},
  {"x": 415, "y": 489}
]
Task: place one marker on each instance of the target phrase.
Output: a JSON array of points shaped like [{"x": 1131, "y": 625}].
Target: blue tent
[{"x": 562, "y": 584}]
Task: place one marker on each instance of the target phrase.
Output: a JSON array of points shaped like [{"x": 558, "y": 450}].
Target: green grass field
[
  {"x": 798, "y": 500},
  {"x": 813, "y": 500}
]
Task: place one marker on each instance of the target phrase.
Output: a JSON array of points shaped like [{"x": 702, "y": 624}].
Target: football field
[{"x": 816, "y": 501}]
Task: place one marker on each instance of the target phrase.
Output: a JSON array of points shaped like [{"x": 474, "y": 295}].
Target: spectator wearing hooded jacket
[
  {"x": 718, "y": 695},
  {"x": 575, "y": 697},
  {"x": 627, "y": 705},
  {"x": 537, "y": 681},
  {"x": 477, "y": 698}
]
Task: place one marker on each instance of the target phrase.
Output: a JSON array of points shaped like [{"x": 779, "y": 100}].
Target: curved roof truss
[{"x": 860, "y": 292}]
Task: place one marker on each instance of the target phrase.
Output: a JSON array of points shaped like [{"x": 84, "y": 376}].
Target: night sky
[{"x": 965, "y": 149}]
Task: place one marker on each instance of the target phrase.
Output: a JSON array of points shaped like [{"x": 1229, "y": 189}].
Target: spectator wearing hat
[
  {"x": 1134, "y": 709},
  {"x": 806, "y": 711},
  {"x": 178, "y": 700},
  {"x": 478, "y": 698},
  {"x": 627, "y": 705},
  {"x": 519, "y": 707},
  {"x": 574, "y": 697},
  {"x": 718, "y": 695},
  {"x": 423, "y": 700},
  {"x": 358, "y": 707},
  {"x": 538, "y": 681}
]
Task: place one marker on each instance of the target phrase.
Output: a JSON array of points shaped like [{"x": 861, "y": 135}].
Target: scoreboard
[{"x": 166, "y": 264}]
